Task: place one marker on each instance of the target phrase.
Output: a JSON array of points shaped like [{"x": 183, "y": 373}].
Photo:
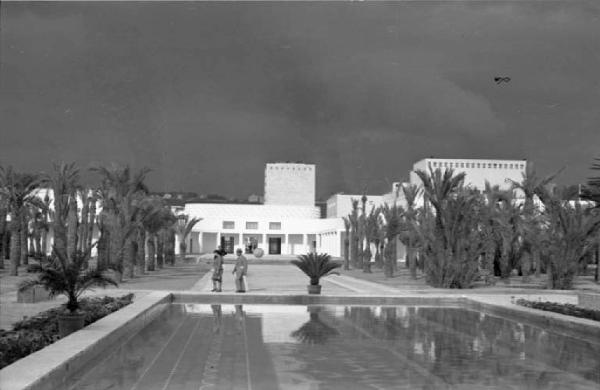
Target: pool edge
[{"x": 48, "y": 368}]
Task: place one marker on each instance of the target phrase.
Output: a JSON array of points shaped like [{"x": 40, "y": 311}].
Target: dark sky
[{"x": 206, "y": 93}]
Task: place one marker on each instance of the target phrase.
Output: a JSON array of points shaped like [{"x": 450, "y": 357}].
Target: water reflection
[
  {"x": 315, "y": 331},
  {"x": 347, "y": 347}
]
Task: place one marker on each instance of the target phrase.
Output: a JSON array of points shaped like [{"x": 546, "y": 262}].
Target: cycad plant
[
  {"x": 316, "y": 266},
  {"x": 68, "y": 276}
]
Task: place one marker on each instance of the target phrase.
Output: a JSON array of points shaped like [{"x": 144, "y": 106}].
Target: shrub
[
  {"x": 562, "y": 308},
  {"x": 35, "y": 333}
]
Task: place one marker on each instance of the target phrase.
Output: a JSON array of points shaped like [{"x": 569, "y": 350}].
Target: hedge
[
  {"x": 562, "y": 308},
  {"x": 35, "y": 333}
]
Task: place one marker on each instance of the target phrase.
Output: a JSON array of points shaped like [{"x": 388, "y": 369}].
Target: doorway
[
  {"x": 227, "y": 243},
  {"x": 274, "y": 245}
]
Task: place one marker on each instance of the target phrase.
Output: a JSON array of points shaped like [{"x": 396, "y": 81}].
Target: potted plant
[
  {"x": 316, "y": 266},
  {"x": 69, "y": 277}
]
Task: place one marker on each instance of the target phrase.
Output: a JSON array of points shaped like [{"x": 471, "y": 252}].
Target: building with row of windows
[{"x": 288, "y": 222}]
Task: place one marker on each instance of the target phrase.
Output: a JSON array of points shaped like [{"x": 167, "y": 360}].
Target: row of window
[
  {"x": 292, "y": 168},
  {"x": 251, "y": 225},
  {"x": 478, "y": 165}
]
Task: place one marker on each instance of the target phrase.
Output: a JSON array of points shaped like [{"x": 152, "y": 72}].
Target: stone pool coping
[{"x": 48, "y": 368}]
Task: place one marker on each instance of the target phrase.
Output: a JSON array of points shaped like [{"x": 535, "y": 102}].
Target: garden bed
[
  {"x": 562, "y": 308},
  {"x": 35, "y": 333}
]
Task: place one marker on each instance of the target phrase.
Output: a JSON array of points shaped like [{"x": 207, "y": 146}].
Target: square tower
[{"x": 290, "y": 184}]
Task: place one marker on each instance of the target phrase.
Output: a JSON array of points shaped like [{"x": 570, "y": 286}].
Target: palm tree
[
  {"x": 19, "y": 192},
  {"x": 183, "y": 228},
  {"x": 391, "y": 225},
  {"x": 451, "y": 239},
  {"x": 347, "y": 226},
  {"x": 65, "y": 183},
  {"x": 409, "y": 218},
  {"x": 354, "y": 219},
  {"x": 574, "y": 232},
  {"x": 68, "y": 276},
  {"x": 438, "y": 186},
  {"x": 122, "y": 191},
  {"x": 156, "y": 217},
  {"x": 3, "y": 229},
  {"x": 529, "y": 184},
  {"x": 371, "y": 232},
  {"x": 591, "y": 192}
]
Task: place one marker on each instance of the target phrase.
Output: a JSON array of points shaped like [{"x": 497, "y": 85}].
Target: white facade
[
  {"x": 288, "y": 230},
  {"x": 478, "y": 171},
  {"x": 340, "y": 205},
  {"x": 290, "y": 184}
]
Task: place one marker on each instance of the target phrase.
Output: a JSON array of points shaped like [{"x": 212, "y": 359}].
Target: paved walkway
[{"x": 265, "y": 277}]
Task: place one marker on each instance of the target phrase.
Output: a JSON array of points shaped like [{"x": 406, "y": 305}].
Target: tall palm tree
[
  {"x": 64, "y": 182},
  {"x": 19, "y": 191},
  {"x": 529, "y": 184},
  {"x": 347, "y": 226},
  {"x": 183, "y": 228},
  {"x": 574, "y": 232},
  {"x": 438, "y": 185},
  {"x": 121, "y": 193},
  {"x": 354, "y": 219},
  {"x": 591, "y": 192},
  {"x": 390, "y": 217},
  {"x": 411, "y": 193},
  {"x": 3, "y": 229},
  {"x": 155, "y": 217},
  {"x": 371, "y": 232}
]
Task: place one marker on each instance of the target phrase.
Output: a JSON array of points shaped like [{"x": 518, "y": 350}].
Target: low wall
[
  {"x": 589, "y": 301},
  {"x": 48, "y": 368}
]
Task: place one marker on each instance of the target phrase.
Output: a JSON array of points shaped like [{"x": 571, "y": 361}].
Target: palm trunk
[
  {"x": 3, "y": 234},
  {"x": 170, "y": 252},
  {"x": 160, "y": 248},
  {"x": 151, "y": 252},
  {"x": 116, "y": 248},
  {"x": 23, "y": 239},
  {"x": 141, "y": 252},
  {"x": 182, "y": 250},
  {"x": 72, "y": 227},
  {"x": 15, "y": 245},
  {"x": 129, "y": 253},
  {"x": 83, "y": 227},
  {"x": 103, "y": 249},
  {"x": 410, "y": 257}
]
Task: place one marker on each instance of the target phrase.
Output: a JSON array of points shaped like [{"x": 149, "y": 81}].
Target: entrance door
[
  {"x": 227, "y": 243},
  {"x": 274, "y": 245}
]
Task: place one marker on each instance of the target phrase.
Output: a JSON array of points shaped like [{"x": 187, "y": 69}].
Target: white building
[
  {"x": 340, "y": 205},
  {"x": 287, "y": 223},
  {"x": 478, "y": 171},
  {"x": 290, "y": 184}
]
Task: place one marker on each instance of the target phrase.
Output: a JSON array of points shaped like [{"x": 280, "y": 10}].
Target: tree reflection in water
[{"x": 315, "y": 331}]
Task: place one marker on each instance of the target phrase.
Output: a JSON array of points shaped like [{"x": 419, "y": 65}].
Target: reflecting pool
[{"x": 261, "y": 347}]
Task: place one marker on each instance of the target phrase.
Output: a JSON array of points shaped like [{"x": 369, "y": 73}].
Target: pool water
[{"x": 261, "y": 347}]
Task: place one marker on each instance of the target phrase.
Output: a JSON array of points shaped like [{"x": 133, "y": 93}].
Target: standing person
[
  {"x": 217, "y": 277},
  {"x": 220, "y": 251},
  {"x": 240, "y": 271}
]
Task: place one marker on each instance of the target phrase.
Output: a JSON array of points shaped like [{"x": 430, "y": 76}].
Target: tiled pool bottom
[{"x": 261, "y": 347}]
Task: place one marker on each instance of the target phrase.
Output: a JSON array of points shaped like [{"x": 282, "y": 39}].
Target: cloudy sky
[{"x": 206, "y": 93}]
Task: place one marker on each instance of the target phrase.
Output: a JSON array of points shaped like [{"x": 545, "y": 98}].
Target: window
[
  {"x": 462, "y": 165},
  {"x": 274, "y": 225},
  {"x": 489, "y": 165},
  {"x": 478, "y": 165},
  {"x": 228, "y": 225},
  {"x": 445, "y": 164},
  {"x": 495, "y": 165},
  {"x": 251, "y": 225},
  {"x": 434, "y": 164}
]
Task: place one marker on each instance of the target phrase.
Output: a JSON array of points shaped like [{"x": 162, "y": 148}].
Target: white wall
[
  {"x": 478, "y": 172},
  {"x": 290, "y": 184},
  {"x": 340, "y": 205}
]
